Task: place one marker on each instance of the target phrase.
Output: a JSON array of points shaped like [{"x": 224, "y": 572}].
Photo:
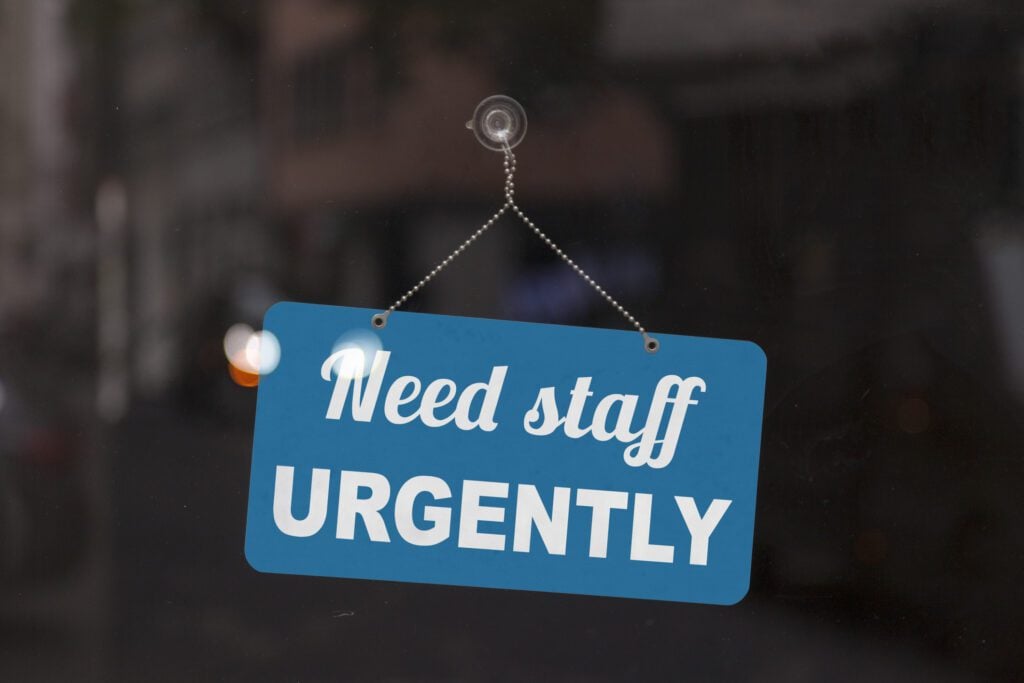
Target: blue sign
[{"x": 499, "y": 454}]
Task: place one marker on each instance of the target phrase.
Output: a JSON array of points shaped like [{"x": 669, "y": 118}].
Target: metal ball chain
[{"x": 380, "y": 320}]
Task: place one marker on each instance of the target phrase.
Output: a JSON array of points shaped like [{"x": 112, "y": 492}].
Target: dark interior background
[{"x": 838, "y": 181}]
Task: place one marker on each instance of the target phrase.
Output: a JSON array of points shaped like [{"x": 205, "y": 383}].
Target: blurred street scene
[{"x": 841, "y": 182}]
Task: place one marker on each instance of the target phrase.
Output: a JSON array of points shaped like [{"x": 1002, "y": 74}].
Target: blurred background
[{"x": 839, "y": 181}]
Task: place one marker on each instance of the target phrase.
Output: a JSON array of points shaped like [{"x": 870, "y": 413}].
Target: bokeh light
[
  {"x": 241, "y": 377},
  {"x": 263, "y": 351},
  {"x": 351, "y": 364},
  {"x": 250, "y": 353},
  {"x": 236, "y": 339}
]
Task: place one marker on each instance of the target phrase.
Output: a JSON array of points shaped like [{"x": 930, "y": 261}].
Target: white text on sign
[
  {"x": 364, "y": 496},
  {"x": 347, "y": 369}
]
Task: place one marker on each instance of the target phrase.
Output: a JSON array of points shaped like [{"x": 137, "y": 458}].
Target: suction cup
[{"x": 498, "y": 121}]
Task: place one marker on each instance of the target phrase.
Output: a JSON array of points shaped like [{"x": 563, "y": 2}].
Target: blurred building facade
[
  {"x": 190, "y": 157},
  {"x": 276, "y": 144},
  {"x": 364, "y": 164},
  {"x": 835, "y": 175},
  {"x": 44, "y": 243}
]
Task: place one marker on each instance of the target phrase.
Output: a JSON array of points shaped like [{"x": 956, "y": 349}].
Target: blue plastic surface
[{"x": 716, "y": 457}]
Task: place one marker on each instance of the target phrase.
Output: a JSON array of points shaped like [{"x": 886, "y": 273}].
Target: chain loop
[{"x": 651, "y": 344}]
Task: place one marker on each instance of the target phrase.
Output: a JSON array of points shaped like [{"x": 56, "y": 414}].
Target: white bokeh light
[
  {"x": 355, "y": 365},
  {"x": 235, "y": 341},
  {"x": 263, "y": 351},
  {"x": 254, "y": 351}
]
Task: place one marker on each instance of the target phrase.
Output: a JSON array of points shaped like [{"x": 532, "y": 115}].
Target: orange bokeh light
[{"x": 241, "y": 377}]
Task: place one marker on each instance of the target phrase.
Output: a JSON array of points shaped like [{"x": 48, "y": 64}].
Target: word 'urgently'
[{"x": 551, "y": 525}]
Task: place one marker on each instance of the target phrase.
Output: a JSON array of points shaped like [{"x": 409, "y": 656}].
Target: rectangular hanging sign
[{"x": 500, "y": 454}]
